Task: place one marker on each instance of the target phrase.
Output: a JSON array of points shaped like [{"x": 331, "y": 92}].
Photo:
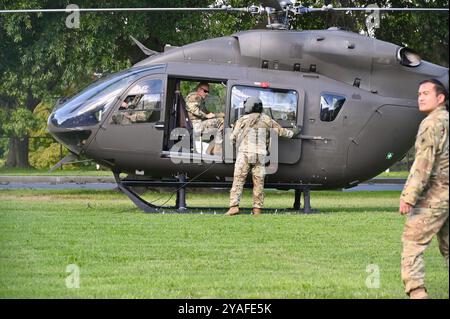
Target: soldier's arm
[
  {"x": 193, "y": 106},
  {"x": 236, "y": 130},
  {"x": 281, "y": 131},
  {"x": 423, "y": 163}
]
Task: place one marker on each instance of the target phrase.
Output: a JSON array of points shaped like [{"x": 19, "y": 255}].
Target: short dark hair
[
  {"x": 202, "y": 84},
  {"x": 439, "y": 87}
]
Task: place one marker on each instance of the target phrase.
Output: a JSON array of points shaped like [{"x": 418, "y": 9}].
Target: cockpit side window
[
  {"x": 330, "y": 105},
  {"x": 279, "y": 104},
  {"x": 142, "y": 104},
  {"x": 89, "y": 107}
]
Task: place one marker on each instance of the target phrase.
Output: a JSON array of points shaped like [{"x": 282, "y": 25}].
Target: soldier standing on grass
[
  {"x": 251, "y": 154},
  {"x": 425, "y": 195}
]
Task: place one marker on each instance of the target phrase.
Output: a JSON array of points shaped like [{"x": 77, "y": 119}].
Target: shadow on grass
[{"x": 266, "y": 211}]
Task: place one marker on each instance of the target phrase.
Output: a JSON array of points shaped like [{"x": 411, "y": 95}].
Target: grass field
[
  {"x": 57, "y": 172},
  {"x": 351, "y": 249}
]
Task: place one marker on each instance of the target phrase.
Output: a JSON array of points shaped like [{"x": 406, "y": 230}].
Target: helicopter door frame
[
  {"x": 176, "y": 150},
  {"x": 285, "y": 146}
]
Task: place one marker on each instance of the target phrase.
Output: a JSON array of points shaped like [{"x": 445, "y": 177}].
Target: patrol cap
[{"x": 253, "y": 105}]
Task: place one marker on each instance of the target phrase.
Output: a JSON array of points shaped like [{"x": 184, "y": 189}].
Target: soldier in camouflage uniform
[
  {"x": 425, "y": 195},
  {"x": 251, "y": 154},
  {"x": 134, "y": 110},
  {"x": 204, "y": 122}
]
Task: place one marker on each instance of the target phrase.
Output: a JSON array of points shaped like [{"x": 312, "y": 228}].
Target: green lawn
[
  {"x": 57, "y": 172},
  {"x": 400, "y": 174},
  {"x": 124, "y": 253}
]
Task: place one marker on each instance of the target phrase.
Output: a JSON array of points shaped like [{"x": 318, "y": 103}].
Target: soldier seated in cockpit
[{"x": 129, "y": 112}]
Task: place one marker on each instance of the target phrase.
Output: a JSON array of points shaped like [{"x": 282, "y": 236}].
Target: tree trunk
[
  {"x": 18, "y": 146},
  {"x": 18, "y": 153}
]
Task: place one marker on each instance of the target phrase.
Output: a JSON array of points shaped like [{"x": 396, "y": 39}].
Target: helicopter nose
[{"x": 75, "y": 139}]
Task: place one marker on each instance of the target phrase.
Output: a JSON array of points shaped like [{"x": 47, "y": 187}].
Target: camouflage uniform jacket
[
  {"x": 251, "y": 128},
  {"x": 427, "y": 184},
  {"x": 195, "y": 106}
]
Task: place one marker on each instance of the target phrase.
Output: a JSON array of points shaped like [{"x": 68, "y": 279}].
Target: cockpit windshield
[{"x": 89, "y": 106}]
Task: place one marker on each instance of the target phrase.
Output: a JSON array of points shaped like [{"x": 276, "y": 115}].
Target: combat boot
[
  {"x": 419, "y": 293},
  {"x": 256, "y": 211},
  {"x": 234, "y": 210}
]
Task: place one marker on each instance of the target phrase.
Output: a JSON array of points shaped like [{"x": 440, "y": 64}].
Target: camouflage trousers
[
  {"x": 244, "y": 163},
  {"x": 211, "y": 126},
  {"x": 421, "y": 226}
]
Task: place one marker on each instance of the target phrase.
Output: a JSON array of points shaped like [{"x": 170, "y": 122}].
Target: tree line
[{"x": 41, "y": 59}]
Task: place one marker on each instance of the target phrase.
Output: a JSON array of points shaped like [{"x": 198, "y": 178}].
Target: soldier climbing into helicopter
[
  {"x": 204, "y": 121},
  {"x": 251, "y": 153}
]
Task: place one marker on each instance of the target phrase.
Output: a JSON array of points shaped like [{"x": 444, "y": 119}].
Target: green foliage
[
  {"x": 46, "y": 157},
  {"x": 3, "y": 119},
  {"x": 21, "y": 123},
  {"x": 41, "y": 114},
  {"x": 3, "y": 140}
]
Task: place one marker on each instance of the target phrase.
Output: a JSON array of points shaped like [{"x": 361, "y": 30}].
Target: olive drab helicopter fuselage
[{"x": 353, "y": 97}]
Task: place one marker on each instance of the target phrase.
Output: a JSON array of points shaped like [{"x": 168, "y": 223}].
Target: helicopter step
[{"x": 125, "y": 185}]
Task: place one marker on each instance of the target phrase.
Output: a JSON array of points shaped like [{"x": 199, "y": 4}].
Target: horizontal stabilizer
[{"x": 67, "y": 159}]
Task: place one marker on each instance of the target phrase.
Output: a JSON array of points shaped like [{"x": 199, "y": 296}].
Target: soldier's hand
[
  {"x": 210, "y": 115},
  {"x": 404, "y": 208},
  {"x": 296, "y": 131}
]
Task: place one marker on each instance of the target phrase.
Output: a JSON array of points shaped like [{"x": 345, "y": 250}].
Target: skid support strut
[
  {"x": 181, "y": 194},
  {"x": 135, "y": 198},
  {"x": 306, "y": 199}
]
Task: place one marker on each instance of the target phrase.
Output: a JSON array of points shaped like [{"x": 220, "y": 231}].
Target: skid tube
[{"x": 181, "y": 185}]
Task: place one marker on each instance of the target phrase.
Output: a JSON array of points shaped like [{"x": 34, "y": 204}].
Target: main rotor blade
[
  {"x": 272, "y": 4},
  {"x": 374, "y": 9},
  {"x": 70, "y": 10}
]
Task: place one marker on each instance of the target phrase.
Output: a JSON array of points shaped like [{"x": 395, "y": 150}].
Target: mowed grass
[
  {"x": 351, "y": 249},
  {"x": 57, "y": 172}
]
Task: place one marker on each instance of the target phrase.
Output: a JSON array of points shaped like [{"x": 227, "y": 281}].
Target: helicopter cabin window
[
  {"x": 330, "y": 105},
  {"x": 142, "y": 104},
  {"x": 279, "y": 104}
]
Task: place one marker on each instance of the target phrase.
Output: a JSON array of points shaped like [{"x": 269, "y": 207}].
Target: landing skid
[
  {"x": 135, "y": 198},
  {"x": 180, "y": 205}
]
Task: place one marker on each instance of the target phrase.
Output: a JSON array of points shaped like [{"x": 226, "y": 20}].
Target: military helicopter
[{"x": 353, "y": 97}]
